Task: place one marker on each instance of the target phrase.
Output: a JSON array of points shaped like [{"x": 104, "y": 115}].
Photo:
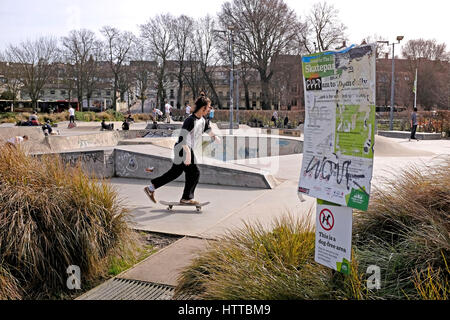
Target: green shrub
[{"x": 51, "y": 217}]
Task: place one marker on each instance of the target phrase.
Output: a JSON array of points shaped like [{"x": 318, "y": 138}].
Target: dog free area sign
[{"x": 334, "y": 237}]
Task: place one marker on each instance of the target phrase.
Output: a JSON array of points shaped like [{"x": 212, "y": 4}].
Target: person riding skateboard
[{"x": 187, "y": 152}]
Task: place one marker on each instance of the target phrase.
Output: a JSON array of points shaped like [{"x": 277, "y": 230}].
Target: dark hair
[
  {"x": 415, "y": 109},
  {"x": 201, "y": 101}
]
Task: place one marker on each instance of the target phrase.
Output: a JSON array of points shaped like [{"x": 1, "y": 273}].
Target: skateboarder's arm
[{"x": 187, "y": 152}]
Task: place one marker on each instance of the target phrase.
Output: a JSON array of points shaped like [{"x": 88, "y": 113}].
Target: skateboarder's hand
[
  {"x": 216, "y": 139},
  {"x": 187, "y": 162}
]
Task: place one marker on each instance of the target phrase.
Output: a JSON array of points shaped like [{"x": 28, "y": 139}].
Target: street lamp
[{"x": 391, "y": 116}]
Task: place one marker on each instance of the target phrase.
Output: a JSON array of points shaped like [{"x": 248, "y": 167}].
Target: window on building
[
  {"x": 108, "y": 93},
  {"x": 172, "y": 103},
  {"x": 63, "y": 92},
  {"x": 52, "y": 91},
  {"x": 253, "y": 104},
  {"x": 254, "y": 95},
  {"x": 172, "y": 94}
]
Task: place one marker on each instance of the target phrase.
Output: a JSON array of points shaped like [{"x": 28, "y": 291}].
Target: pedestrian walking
[
  {"x": 168, "y": 108},
  {"x": 414, "y": 124},
  {"x": 71, "y": 115},
  {"x": 187, "y": 109},
  {"x": 187, "y": 152},
  {"x": 275, "y": 118}
]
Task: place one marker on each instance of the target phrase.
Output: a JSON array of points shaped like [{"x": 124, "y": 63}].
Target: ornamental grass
[{"x": 51, "y": 217}]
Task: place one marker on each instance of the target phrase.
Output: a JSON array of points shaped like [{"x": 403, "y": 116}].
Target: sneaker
[
  {"x": 150, "y": 194},
  {"x": 191, "y": 201}
]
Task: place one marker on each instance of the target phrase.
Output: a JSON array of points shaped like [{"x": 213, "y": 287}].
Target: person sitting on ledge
[{"x": 105, "y": 126}]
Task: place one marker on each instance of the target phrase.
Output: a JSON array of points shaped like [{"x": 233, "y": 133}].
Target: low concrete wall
[
  {"x": 101, "y": 139},
  {"x": 96, "y": 163},
  {"x": 132, "y": 164},
  {"x": 36, "y": 139},
  {"x": 164, "y": 126},
  {"x": 407, "y": 134}
]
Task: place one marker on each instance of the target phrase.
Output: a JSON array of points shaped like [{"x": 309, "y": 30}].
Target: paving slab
[{"x": 165, "y": 266}]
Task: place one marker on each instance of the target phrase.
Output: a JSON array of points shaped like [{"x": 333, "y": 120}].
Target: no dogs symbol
[{"x": 326, "y": 219}]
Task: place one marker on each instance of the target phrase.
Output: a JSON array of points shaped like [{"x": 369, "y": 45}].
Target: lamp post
[{"x": 391, "y": 115}]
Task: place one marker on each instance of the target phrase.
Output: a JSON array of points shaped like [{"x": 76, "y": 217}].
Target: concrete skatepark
[{"x": 242, "y": 189}]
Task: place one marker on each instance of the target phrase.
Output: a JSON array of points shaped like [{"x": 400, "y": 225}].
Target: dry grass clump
[
  {"x": 254, "y": 263},
  {"x": 406, "y": 229},
  {"x": 51, "y": 217}
]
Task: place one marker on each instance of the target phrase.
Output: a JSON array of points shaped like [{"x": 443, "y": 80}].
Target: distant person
[
  {"x": 286, "y": 121},
  {"x": 414, "y": 124},
  {"x": 47, "y": 128},
  {"x": 71, "y": 115},
  {"x": 187, "y": 109},
  {"x": 129, "y": 118},
  {"x": 156, "y": 114},
  {"x": 211, "y": 114},
  {"x": 33, "y": 119},
  {"x": 105, "y": 126},
  {"x": 125, "y": 125},
  {"x": 275, "y": 118},
  {"x": 167, "y": 109},
  {"x": 14, "y": 141}
]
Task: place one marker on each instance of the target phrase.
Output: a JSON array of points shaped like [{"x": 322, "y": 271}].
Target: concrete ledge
[
  {"x": 226, "y": 125},
  {"x": 407, "y": 134}
]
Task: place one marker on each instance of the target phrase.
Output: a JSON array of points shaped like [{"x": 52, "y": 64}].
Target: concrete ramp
[{"x": 130, "y": 162}]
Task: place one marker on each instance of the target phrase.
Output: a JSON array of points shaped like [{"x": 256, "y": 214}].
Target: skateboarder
[{"x": 188, "y": 146}]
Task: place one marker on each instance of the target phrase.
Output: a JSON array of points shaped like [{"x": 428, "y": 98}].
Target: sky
[{"x": 21, "y": 20}]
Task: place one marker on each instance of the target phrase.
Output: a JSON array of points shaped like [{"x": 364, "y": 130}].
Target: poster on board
[{"x": 339, "y": 126}]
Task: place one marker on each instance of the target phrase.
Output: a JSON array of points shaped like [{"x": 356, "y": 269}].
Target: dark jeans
[
  {"x": 71, "y": 119},
  {"x": 413, "y": 131},
  {"x": 192, "y": 177}
]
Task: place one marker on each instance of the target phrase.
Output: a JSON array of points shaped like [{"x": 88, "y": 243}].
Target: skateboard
[{"x": 170, "y": 205}]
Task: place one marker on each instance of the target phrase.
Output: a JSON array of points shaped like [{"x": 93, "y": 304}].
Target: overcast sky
[{"x": 29, "y": 19}]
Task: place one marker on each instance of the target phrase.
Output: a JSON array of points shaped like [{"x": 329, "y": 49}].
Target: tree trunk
[
  {"x": 142, "y": 105},
  {"x": 180, "y": 92},
  {"x": 265, "y": 93}
]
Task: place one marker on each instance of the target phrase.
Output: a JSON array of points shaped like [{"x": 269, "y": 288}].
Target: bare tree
[
  {"x": 79, "y": 47},
  {"x": 270, "y": 27},
  {"x": 182, "y": 31},
  {"x": 325, "y": 27},
  {"x": 431, "y": 61},
  {"x": 11, "y": 73},
  {"x": 118, "y": 45},
  {"x": 159, "y": 36},
  {"x": 205, "y": 53},
  {"x": 36, "y": 64},
  {"x": 143, "y": 70},
  {"x": 92, "y": 74}
]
